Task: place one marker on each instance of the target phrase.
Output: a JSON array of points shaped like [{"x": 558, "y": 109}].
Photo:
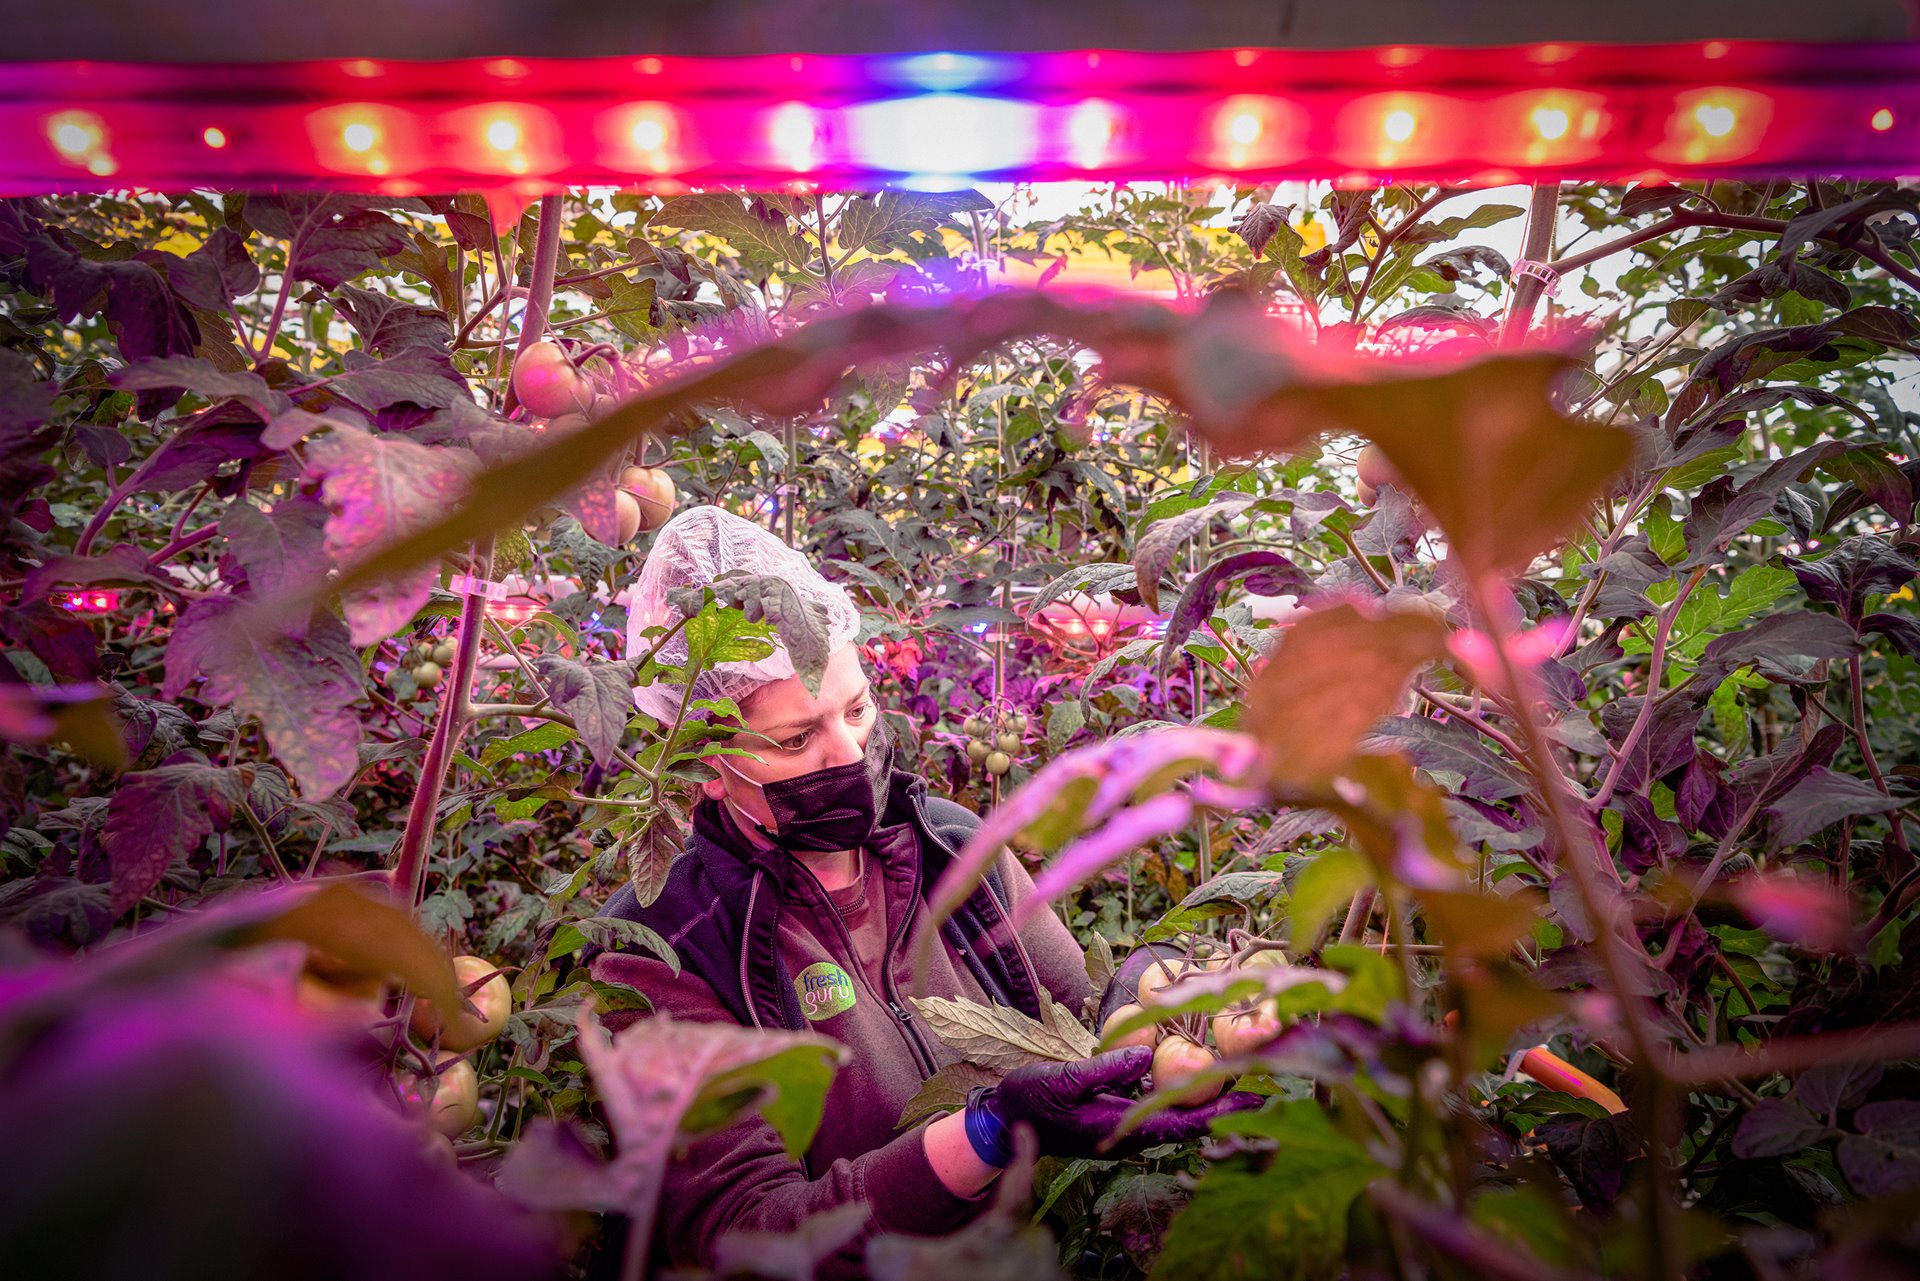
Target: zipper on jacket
[
  {"x": 900, "y": 1011},
  {"x": 903, "y": 1017},
  {"x": 1041, "y": 993}
]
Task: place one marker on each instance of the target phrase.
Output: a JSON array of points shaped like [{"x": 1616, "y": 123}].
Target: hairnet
[{"x": 694, "y": 548}]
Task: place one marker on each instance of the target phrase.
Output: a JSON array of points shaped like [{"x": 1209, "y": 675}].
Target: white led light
[
  {"x": 938, "y": 136},
  {"x": 794, "y": 135},
  {"x": 1090, "y": 131},
  {"x": 503, "y": 135}
]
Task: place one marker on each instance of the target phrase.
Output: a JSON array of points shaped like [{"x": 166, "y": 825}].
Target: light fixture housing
[{"x": 1475, "y": 116}]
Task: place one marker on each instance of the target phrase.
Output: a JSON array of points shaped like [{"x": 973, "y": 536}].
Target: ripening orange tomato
[{"x": 547, "y": 383}]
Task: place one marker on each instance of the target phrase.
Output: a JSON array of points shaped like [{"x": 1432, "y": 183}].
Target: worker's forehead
[{"x": 787, "y": 702}]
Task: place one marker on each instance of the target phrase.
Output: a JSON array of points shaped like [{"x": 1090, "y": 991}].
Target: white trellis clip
[
  {"x": 468, "y": 585},
  {"x": 1539, "y": 271}
]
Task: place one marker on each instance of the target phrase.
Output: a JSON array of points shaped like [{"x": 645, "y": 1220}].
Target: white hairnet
[{"x": 694, "y": 548}]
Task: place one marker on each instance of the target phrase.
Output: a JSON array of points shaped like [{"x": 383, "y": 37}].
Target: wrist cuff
[{"x": 987, "y": 1134}]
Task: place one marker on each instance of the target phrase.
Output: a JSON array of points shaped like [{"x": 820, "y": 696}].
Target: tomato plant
[{"x": 1552, "y": 694}]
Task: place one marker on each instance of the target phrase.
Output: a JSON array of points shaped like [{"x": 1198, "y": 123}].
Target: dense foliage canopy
[{"x": 1586, "y": 715}]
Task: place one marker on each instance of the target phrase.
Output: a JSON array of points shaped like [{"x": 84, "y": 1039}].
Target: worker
[{"x": 794, "y": 905}]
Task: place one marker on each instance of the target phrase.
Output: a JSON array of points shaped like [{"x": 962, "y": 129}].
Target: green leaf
[
  {"x": 751, "y": 227},
  {"x": 1286, "y": 1223},
  {"x": 612, "y": 932},
  {"x": 629, "y": 306},
  {"x": 1373, "y": 981},
  {"x": 541, "y": 738},
  {"x": 1064, "y": 720},
  {"x": 891, "y": 219},
  {"x": 788, "y": 1087},
  {"x": 945, "y": 1091},
  {"x": 1664, "y": 531},
  {"x": 1327, "y": 883}
]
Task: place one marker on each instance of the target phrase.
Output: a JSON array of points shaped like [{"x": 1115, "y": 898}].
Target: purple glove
[{"x": 1073, "y": 1109}]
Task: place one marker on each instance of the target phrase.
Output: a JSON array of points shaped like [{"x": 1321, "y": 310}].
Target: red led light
[
  {"x": 838, "y": 122},
  {"x": 514, "y": 611},
  {"x": 91, "y": 600}
]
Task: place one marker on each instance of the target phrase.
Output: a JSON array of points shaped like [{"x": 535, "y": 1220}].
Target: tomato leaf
[
  {"x": 379, "y": 489},
  {"x": 159, "y": 815}
]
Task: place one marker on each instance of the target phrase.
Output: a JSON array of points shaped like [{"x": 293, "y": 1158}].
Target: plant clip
[
  {"x": 1539, "y": 271},
  {"x": 468, "y": 585}
]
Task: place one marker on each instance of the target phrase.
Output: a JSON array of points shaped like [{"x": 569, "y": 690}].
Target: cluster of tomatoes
[
  {"x": 551, "y": 386},
  {"x": 427, "y": 663},
  {"x": 994, "y": 742},
  {"x": 1186, "y": 1045},
  {"x": 447, "y": 1097}
]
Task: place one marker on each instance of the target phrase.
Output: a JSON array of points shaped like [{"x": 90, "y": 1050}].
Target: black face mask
[{"x": 832, "y": 809}]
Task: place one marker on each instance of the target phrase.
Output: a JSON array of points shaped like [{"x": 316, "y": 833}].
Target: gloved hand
[{"x": 1074, "y": 1107}]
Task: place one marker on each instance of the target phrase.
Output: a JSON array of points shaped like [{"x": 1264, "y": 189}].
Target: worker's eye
[
  {"x": 797, "y": 742},
  {"x": 860, "y": 711}
]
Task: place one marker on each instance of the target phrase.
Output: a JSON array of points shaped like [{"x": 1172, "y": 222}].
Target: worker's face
[{"x": 809, "y": 732}]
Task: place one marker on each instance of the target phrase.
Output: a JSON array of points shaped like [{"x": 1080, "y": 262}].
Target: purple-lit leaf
[
  {"x": 380, "y": 489},
  {"x": 281, "y": 549},
  {"x": 1776, "y": 1127},
  {"x": 331, "y": 238},
  {"x": 389, "y": 326},
  {"x": 1821, "y": 799},
  {"x": 1856, "y": 569},
  {"x": 26, "y": 400},
  {"x": 123, "y": 565},
  {"x": 229, "y": 432},
  {"x": 203, "y": 379},
  {"x": 216, "y": 273},
  {"x": 1153, "y": 554},
  {"x": 61, "y": 640},
  {"x": 143, "y": 313},
  {"x": 160, "y": 815},
  {"x": 415, "y": 377},
  {"x": 301, "y": 688},
  {"x": 1275, "y": 574},
  {"x": 1800, "y": 634},
  {"x": 1884, "y": 1158},
  {"x": 1725, "y": 508},
  {"x": 1902, "y": 631}
]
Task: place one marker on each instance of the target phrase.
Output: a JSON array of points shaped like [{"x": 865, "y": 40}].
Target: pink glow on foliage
[{"x": 1475, "y": 650}]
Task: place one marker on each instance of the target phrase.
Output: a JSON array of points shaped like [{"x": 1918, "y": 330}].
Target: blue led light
[{"x": 945, "y": 72}]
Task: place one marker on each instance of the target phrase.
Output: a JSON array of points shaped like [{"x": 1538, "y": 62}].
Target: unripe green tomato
[
  {"x": 977, "y": 751},
  {"x": 443, "y": 653},
  {"x": 998, "y": 763},
  {"x": 1018, "y": 723},
  {"x": 418, "y": 654},
  {"x": 427, "y": 675},
  {"x": 974, "y": 726},
  {"x": 1008, "y": 743}
]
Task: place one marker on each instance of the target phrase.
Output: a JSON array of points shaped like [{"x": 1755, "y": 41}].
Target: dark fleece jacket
[{"x": 760, "y": 945}]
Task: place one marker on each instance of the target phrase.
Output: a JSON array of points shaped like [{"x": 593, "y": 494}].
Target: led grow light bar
[{"x": 1477, "y": 116}]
